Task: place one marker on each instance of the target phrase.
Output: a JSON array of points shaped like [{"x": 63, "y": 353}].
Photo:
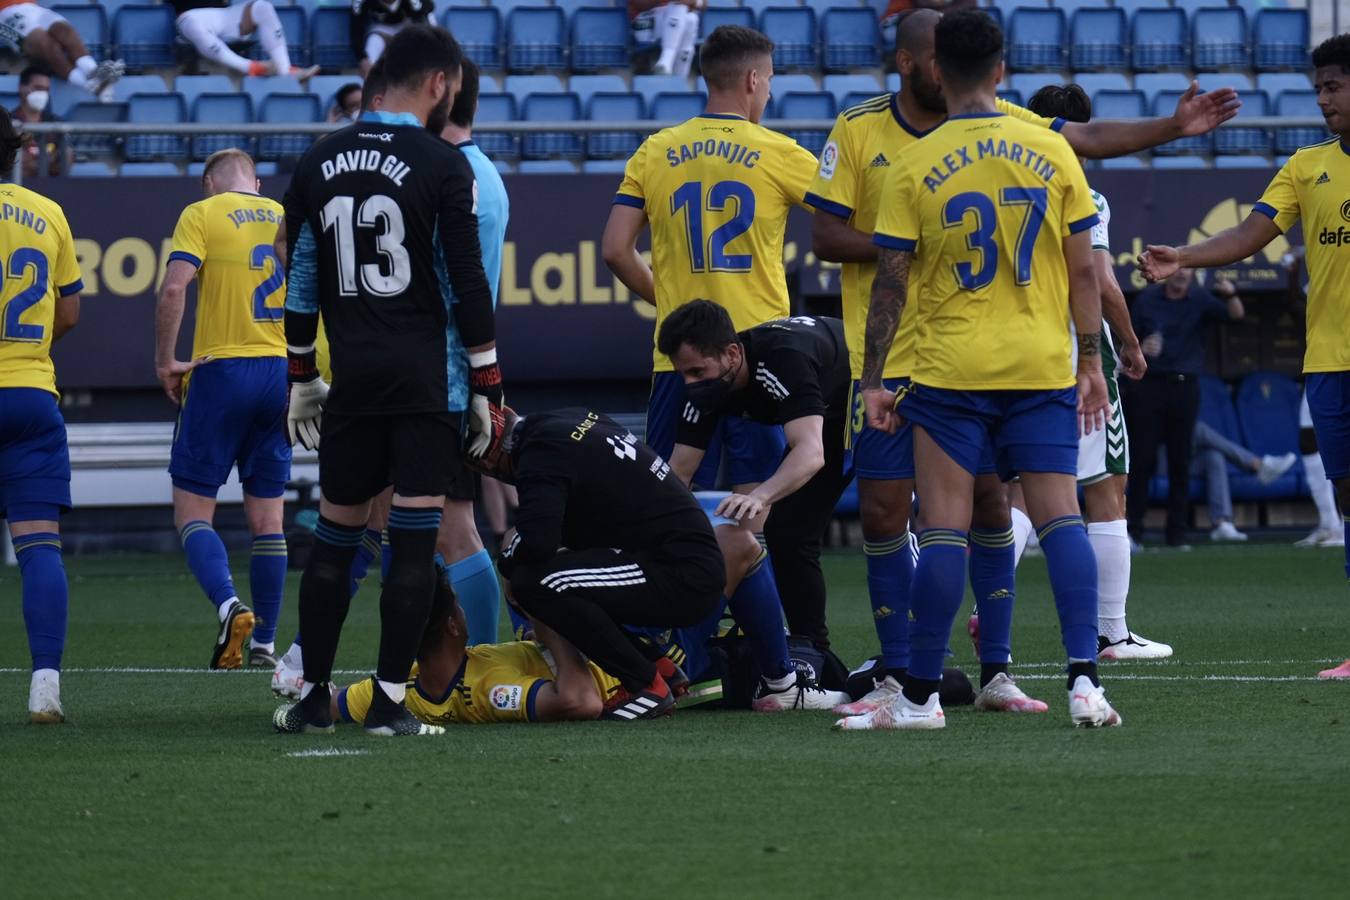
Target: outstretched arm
[
  {"x": 1228, "y": 246},
  {"x": 1196, "y": 113}
]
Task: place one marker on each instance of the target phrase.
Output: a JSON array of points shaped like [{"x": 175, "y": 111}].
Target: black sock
[
  {"x": 918, "y": 690},
  {"x": 325, "y": 595},
  {"x": 989, "y": 670},
  {"x": 405, "y": 601},
  {"x": 1083, "y": 668}
]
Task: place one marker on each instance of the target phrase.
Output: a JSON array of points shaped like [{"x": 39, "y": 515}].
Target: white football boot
[
  {"x": 1088, "y": 707},
  {"x": 1132, "y": 646},
  {"x": 801, "y": 694},
  {"x": 288, "y": 678},
  {"x": 900, "y": 713},
  {"x": 1002, "y": 694},
  {"x": 885, "y": 690},
  {"x": 44, "y": 698}
]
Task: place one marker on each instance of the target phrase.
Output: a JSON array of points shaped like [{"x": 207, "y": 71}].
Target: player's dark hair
[
  {"x": 418, "y": 51},
  {"x": 375, "y": 85},
  {"x": 10, "y": 144},
  {"x": 968, "y": 44},
  {"x": 1334, "y": 51},
  {"x": 442, "y": 607},
  {"x": 728, "y": 52},
  {"x": 1062, "y": 101},
  {"x": 466, "y": 101},
  {"x": 340, "y": 97},
  {"x": 30, "y": 72},
  {"x": 701, "y": 324}
]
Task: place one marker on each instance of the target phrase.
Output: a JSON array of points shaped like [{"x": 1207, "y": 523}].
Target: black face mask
[{"x": 711, "y": 394}]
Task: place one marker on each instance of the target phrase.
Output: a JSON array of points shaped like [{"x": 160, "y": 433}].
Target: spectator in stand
[
  {"x": 212, "y": 25},
  {"x": 374, "y": 22},
  {"x": 674, "y": 26},
  {"x": 346, "y": 106},
  {"x": 1172, "y": 321},
  {"x": 45, "y": 36},
  {"x": 1212, "y": 454},
  {"x": 35, "y": 86}
]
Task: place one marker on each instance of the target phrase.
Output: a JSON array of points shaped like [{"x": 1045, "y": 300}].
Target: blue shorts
[
  {"x": 1329, "y": 403},
  {"x": 753, "y": 451},
  {"x": 1028, "y": 431},
  {"x": 876, "y": 455},
  {"x": 233, "y": 414},
  {"x": 34, "y": 460}
]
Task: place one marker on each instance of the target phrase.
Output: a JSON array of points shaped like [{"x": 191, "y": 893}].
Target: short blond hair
[{"x": 230, "y": 156}]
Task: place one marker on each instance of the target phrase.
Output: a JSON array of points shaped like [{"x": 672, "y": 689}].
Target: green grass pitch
[{"x": 1230, "y": 778}]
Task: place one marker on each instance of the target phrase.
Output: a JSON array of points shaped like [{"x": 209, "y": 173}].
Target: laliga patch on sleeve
[
  {"x": 506, "y": 696},
  {"x": 829, "y": 158}
]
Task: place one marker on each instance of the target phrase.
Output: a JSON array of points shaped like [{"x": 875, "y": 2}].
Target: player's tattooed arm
[
  {"x": 1090, "y": 345},
  {"x": 889, "y": 295}
]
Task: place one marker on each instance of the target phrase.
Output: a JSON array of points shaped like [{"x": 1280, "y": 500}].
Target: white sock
[
  {"x": 294, "y": 658},
  {"x": 209, "y": 44},
  {"x": 394, "y": 691},
  {"x": 1021, "y": 526},
  {"x": 223, "y": 610},
  {"x": 783, "y": 683},
  {"x": 1323, "y": 496},
  {"x": 271, "y": 35},
  {"x": 684, "y": 58},
  {"x": 79, "y": 79},
  {"x": 1111, "y": 544},
  {"x": 49, "y": 675},
  {"x": 86, "y": 64},
  {"x": 270, "y": 646}
]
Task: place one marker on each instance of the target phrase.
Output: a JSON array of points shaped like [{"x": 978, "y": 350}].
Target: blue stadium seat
[
  {"x": 1163, "y": 104},
  {"x": 1239, "y": 81},
  {"x": 9, "y": 100},
  {"x": 847, "y": 85},
  {"x": 853, "y": 98},
  {"x": 479, "y": 31},
  {"x": 1028, "y": 83},
  {"x": 1267, "y": 408},
  {"x": 325, "y": 87},
  {"x": 1122, "y": 162},
  {"x": 758, "y": 6},
  {"x": 520, "y": 85},
  {"x": 793, "y": 32},
  {"x": 1239, "y": 141},
  {"x": 296, "y": 25},
  {"x": 1158, "y": 40},
  {"x": 711, "y": 18},
  {"x": 145, "y": 36},
  {"x": 1244, "y": 162},
  {"x": 149, "y": 170},
  {"x": 815, "y": 105},
  {"x": 91, "y": 21},
  {"x": 1152, "y": 83},
  {"x": 1094, "y": 82},
  {"x": 1036, "y": 39},
  {"x": 193, "y": 86},
  {"x": 287, "y": 109},
  {"x": 93, "y": 147},
  {"x": 1276, "y": 83},
  {"x": 850, "y": 38},
  {"x": 801, "y": 83},
  {"x": 1280, "y": 39},
  {"x": 560, "y": 107},
  {"x": 600, "y": 39},
  {"x": 547, "y": 167},
  {"x": 259, "y": 88},
  {"x": 137, "y": 84},
  {"x": 223, "y": 109},
  {"x": 651, "y": 85},
  {"x": 1097, "y": 40},
  {"x": 614, "y": 107},
  {"x": 158, "y": 109},
  {"x": 1119, "y": 105},
  {"x": 1301, "y": 104},
  {"x": 672, "y": 107},
  {"x": 585, "y": 86},
  {"x": 1219, "y": 39},
  {"x": 330, "y": 38},
  {"x": 534, "y": 39},
  {"x": 1131, "y": 7},
  {"x": 572, "y": 6},
  {"x": 496, "y": 108},
  {"x": 1013, "y": 97},
  {"x": 9, "y": 83},
  {"x": 603, "y": 166}
]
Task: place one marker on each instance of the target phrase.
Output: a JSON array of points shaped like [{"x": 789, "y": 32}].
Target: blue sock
[
  {"x": 208, "y": 561},
  {"x": 939, "y": 587},
  {"x": 693, "y": 641},
  {"x": 1347, "y": 548},
  {"x": 365, "y": 555},
  {"x": 992, "y": 565},
  {"x": 385, "y": 556},
  {"x": 45, "y": 596},
  {"x": 480, "y": 593},
  {"x": 1073, "y": 579},
  {"x": 890, "y": 569},
  {"x": 267, "y": 584},
  {"x": 759, "y": 611}
]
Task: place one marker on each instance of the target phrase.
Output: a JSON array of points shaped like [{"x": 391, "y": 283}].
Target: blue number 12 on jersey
[
  {"x": 981, "y": 239},
  {"x": 710, "y": 254}
]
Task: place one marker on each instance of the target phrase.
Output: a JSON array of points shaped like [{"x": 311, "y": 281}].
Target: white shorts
[
  {"x": 224, "y": 22},
  {"x": 1106, "y": 451},
  {"x": 650, "y": 25},
  {"x": 17, "y": 22},
  {"x": 378, "y": 35}
]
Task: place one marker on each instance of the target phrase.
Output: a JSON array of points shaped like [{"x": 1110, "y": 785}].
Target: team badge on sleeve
[
  {"x": 505, "y": 696},
  {"x": 829, "y": 159}
]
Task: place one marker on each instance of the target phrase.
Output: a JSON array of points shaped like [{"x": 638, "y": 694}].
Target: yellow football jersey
[
  {"x": 861, "y": 150},
  {"x": 1312, "y": 187},
  {"x": 38, "y": 253},
  {"x": 984, "y": 203},
  {"x": 241, "y": 294},
  {"x": 717, "y": 190},
  {"x": 497, "y": 683}
]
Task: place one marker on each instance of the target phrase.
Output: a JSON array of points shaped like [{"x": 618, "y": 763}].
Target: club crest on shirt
[{"x": 505, "y": 696}]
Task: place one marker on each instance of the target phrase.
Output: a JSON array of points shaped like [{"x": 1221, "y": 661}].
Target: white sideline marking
[
  {"x": 1175, "y": 661},
  {"x": 327, "y": 751}
]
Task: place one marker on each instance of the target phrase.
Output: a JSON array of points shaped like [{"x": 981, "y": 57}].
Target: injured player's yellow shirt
[{"x": 496, "y": 683}]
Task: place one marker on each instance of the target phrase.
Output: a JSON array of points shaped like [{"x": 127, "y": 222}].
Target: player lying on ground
[
  {"x": 1310, "y": 188},
  {"x": 972, "y": 205},
  {"x": 45, "y": 35},
  {"x": 846, "y": 195},
  {"x": 40, "y": 305},
  {"x": 210, "y": 26},
  {"x": 605, "y": 537},
  {"x": 231, "y": 397},
  {"x": 543, "y": 680}
]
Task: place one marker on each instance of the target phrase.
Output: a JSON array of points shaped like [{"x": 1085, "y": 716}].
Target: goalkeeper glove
[
  {"x": 485, "y": 398},
  {"x": 304, "y": 409}
]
